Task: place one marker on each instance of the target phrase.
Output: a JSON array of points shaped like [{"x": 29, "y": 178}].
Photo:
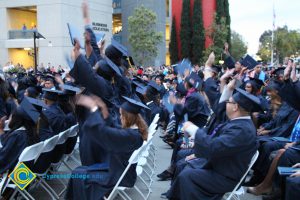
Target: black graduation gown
[
  {"x": 154, "y": 109},
  {"x": 282, "y": 124},
  {"x": 292, "y": 190},
  {"x": 12, "y": 146},
  {"x": 10, "y": 106},
  {"x": 95, "y": 55},
  {"x": 228, "y": 157},
  {"x": 57, "y": 119},
  {"x": 123, "y": 87},
  {"x": 290, "y": 92},
  {"x": 84, "y": 74},
  {"x": 3, "y": 111},
  {"x": 211, "y": 90},
  {"x": 119, "y": 144},
  {"x": 196, "y": 109}
]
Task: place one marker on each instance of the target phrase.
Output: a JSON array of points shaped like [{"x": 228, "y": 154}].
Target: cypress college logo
[{"x": 22, "y": 176}]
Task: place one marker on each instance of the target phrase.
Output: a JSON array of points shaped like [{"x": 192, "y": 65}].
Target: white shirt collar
[
  {"x": 134, "y": 126},
  {"x": 148, "y": 103},
  {"x": 245, "y": 117}
]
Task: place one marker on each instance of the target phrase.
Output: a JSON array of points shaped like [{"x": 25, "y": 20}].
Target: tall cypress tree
[
  {"x": 222, "y": 11},
  {"x": 198, "y": 39},
  {"x": 185, "y": 30},
  {"x": 228, "y": 20},
  {"x": 173, "y": 46}
]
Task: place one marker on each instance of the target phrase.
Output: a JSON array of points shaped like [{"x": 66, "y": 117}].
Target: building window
[{"x": 116, "y": 4}]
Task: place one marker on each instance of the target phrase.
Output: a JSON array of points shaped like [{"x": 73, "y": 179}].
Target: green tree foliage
[
  {"x": 238, "y": 46},
  {"x": 185, "y": 30},
  {"x": 286, "y": 43},
  {"x": 218, "y": 34},
  {"x": 173, "y": 46},
  {"x": 222, "y": 12},
  {"x": 198, "y": 39},
  {"x": 143, "y": 37}
]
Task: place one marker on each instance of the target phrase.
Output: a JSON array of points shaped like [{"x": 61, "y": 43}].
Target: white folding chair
[
  {"x": 71, "y": 134},
  {"x": 30, "y": 153},
  {"x": 121, "y": 190},
  {"x": 237, "y": 191}
]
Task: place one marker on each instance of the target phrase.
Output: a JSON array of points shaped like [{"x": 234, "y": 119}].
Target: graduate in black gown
[
  {"x": 151, "y": 99},
  {"x": 227, "y": 155},
  {"x": 23, "y": 132},
  {"x": 117, "y": 143},
  {"x": 57, "y": 119},
  {"x": 195, "y": 105}
]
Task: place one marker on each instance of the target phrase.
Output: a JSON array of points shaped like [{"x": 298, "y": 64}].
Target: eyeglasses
[{"x": 230, "y": 102}]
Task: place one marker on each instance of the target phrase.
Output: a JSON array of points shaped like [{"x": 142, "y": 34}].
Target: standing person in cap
[
  {"x": 91, "y": 48},
  {"x": 118, "y": 54},
  {"x": 228, "y": 155},
  {"x": 57, "y": 119},
  {"x": 99, "y": 81},
  {"x": 195, "y": 105},
  {"x": 211, "y": 86},
  {"x": 118, "y": 143}
]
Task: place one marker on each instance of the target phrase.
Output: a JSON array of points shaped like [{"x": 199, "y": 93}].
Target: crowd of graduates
[{"x": 214, "y": 117}]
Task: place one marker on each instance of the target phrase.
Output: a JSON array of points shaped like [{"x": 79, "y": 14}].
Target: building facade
[{"x": 50, "y": 19}]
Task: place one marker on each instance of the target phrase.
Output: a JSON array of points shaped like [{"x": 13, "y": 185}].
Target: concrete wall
[
  {"x": 52, "y": 19},
  {"x": 159, "y": 7}
]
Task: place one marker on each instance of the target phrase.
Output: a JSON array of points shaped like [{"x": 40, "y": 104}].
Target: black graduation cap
[
  {"x": 181, "y": 91},
  {"x": 153, "y": 85},
  {"x": 141, "y": 90},
  {"x": 279, "y": 71},
  {"x": 216, "y": 69},
  {"x": 274, "y": 85},
  {"x": 259, "y": 83},
  {"x": 249, "y": 62},
  {"x": 194, "y": 80},
  {"x": 120, "y": 47},
  {"x": 38, "y": 104},
  {"x": 51, "y": 94},
  {"x": 153, "y": 89},
  {"x": 139, "y": 82},
  {"x": 133, "y": 106},
  {"x": 247, "y": 101},
  {"x": 113, "y": 66},
  {"x": 229, "y": 62},
  {"x": 28, "y": 110},
  {"x": 70, "y": 90}
]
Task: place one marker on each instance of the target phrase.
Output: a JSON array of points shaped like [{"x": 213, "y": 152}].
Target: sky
[{"x": 250, "y": 18}]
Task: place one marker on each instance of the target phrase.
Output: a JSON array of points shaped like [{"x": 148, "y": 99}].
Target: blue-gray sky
[{"x": 251, "y": 18}]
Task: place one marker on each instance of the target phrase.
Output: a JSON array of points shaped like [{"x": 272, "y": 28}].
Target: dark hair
[
  {"x": 4, "y": 94},
  {"x": 18, "y": 120},
  {"x": 131, "y": 119},
  {"x": 254, "y": 90}
]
